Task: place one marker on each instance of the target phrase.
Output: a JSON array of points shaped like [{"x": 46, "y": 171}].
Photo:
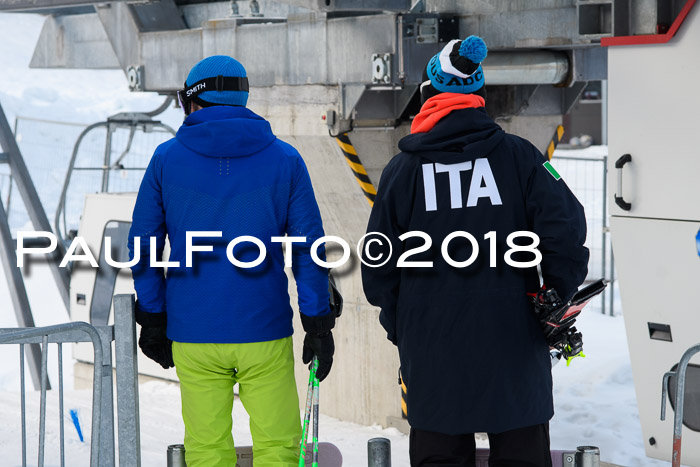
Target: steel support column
[
  {"x": 18, "y": 293},
  {"x": 31, "y": 200}
]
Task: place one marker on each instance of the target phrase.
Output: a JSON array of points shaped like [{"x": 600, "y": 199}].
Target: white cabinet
[{"x": 659, "y": 276}]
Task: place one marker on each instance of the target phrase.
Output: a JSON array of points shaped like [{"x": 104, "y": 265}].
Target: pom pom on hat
[{"x": 474, "y": 49}]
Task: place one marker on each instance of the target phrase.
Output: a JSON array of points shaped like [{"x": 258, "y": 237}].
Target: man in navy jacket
[
  {"x": 473, "y": 355},
  {"x": 226, "y": 176}
]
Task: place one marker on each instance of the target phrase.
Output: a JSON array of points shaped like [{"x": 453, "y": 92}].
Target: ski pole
[
  {"x": 315, "y": 430},
  {"x": 307, "y": 416},
  {"x": 307, "y": 412}
]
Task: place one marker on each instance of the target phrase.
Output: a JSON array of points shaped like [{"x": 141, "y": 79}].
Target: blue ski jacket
[
  {"x": 226, "y": 171},
  {"x": 473, "y": 356}
]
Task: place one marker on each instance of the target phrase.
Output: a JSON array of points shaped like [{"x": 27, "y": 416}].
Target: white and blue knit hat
[
  {"x": 457, "y": 68},
  {"x": 219, "y": 65}
]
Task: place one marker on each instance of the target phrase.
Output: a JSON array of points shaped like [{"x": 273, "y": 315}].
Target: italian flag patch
[{"x": 551, "y": 170}]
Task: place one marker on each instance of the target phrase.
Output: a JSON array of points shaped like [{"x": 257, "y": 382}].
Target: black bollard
[{"x": 379, "y": 452}]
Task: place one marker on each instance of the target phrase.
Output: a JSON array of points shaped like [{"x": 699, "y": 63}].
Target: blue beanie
[
  {"x": 213, "y": 66},
  {"x": 457, "y": 68}
]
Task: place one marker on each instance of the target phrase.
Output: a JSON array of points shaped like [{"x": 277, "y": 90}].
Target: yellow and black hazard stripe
[
  {"x": 554, "y": 142},
  {"x": 357, "y": 168},
  {"x": 404, "y": 404}
]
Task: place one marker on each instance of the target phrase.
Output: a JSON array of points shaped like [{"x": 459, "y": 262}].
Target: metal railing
[
  {"x": 123, "y": 332},
  {"x": 68, "y": 160},
  {"x": 69, "y": 332},
  {"x": 587, "y": 178},
  {"x": 680, "y": 374},
  {"x": 130, "y": 160}
]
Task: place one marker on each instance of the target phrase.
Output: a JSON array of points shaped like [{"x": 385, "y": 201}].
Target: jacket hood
[
  {"x": 462, "y": 135},
  {"x": 225, "y": 131}
]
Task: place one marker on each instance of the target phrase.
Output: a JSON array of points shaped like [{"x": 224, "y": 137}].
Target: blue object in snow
[
  {"x": 697, "y": 242},
  {"x": 76, "y": 422}
]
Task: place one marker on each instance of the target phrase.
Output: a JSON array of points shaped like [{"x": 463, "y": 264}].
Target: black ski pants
[{"x": 522, "y": 447}]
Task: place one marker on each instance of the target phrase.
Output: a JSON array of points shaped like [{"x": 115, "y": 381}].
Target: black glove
[
  {"x": 153, "y": 341},
  {"x": 319, "y": 342}
]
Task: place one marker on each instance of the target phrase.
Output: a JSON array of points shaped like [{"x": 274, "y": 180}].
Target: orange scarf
[{"x": 439, "y": 106}]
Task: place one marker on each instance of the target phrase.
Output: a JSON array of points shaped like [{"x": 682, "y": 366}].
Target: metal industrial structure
[{"x": 338, "y": 79}]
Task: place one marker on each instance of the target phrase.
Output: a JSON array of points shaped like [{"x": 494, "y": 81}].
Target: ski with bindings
[{"x": 557, "y": 319}]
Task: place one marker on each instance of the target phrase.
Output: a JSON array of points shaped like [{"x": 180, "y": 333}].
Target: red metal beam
[{"x": 651, "y": 38}]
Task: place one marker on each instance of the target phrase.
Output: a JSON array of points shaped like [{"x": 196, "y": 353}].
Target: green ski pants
[{"x": 267, "y": 389}]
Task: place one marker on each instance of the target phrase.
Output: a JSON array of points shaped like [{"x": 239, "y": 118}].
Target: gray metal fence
[
  {"x": 123, "y": 332},
  {"x": 587, "y": 178}
]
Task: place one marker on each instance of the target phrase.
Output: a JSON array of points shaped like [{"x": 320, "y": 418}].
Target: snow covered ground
[
  {"x": 594, "y": 404},
  {"x": 595, "y": 400},
  {"x": 161, "y": 426}
]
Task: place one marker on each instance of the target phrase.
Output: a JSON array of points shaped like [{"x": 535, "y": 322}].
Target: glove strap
[
  {"x": 151, "y": 320},
  {"x": 318, "y": 325}
]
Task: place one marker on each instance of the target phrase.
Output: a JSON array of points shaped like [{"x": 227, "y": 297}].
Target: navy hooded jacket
[
  {"x": 225, "y": 171},
  {"x": 473, "y": 356}
]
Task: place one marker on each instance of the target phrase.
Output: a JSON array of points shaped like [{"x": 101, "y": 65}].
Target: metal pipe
[
  {"x": 102, "y": 168},
  {"x": 664, "y": 385},
  {"x": 176, "y": 455},
  {"x": 107, "y": 159},
  {"x": 680, "y": 396},
  {"x": 24, "y": 405},
  {"x": 60, "y": 404},
  {"x": 587, "y": 456},
  {"x": 42, "y": 403},
  {"x": 106, "y": 447},
  {"x": 536, "y": 67},
  {"x": 165, "y": 127},
  {"x": 399, "y": 31},
  {"x": 9, "y": 196},
  {"x": 379, "y": 452},
  {"x": 612, "y": 280},
  {"x": 351, "y": 5},
  {"x": 604, "y": 111},
  {"x": 96, "y": 394},
  {"x": 132, "y": 132},
  {"x": 604, "y": 248},
  {"x": 127, "y": 381},
  {"x": 27, "y": 5}
]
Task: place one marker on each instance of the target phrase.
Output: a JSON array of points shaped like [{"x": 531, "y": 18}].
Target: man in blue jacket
[
  {"x": 473, "y": 355},
  {"x": 225, "y": 175}
]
